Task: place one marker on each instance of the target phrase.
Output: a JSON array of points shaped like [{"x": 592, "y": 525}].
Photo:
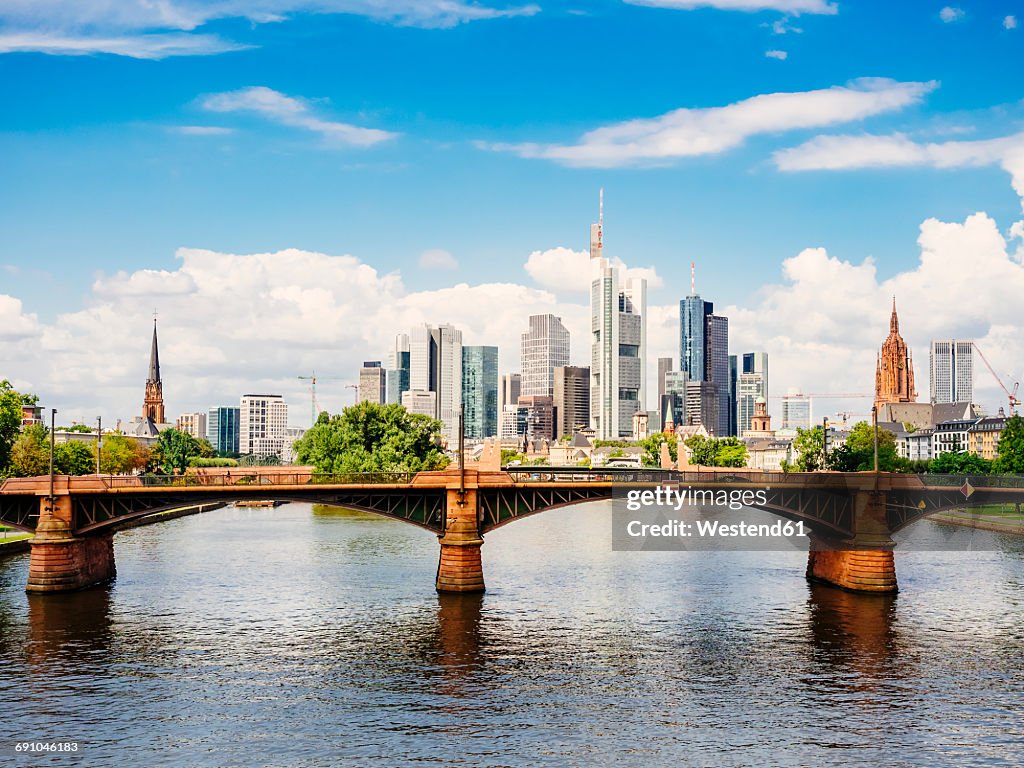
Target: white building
[
  {"x": 951, "y": 365},
  {"x": 418, "y": 401},
  {"x": 543, "y": 348},
  {"x": 618, "y": 311},
  {"x": 435, "y": 365},
  {"x": 796, "y": 411},
  {"x": 291, "y": 435},
  {"x": 263, "y": 422},
  {"x": 193, "y": 423}
]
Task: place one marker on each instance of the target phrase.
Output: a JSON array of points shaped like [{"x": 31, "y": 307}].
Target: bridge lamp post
[
  {"x": 53, "y": 422},
  {"x": 99, "y": 441},
  {"x": 874, "y": 422}
]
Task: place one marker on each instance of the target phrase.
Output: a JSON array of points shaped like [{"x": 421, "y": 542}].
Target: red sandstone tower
[
  {"x": 153, "y": 404},
  {"x": 894, "y": 372}
]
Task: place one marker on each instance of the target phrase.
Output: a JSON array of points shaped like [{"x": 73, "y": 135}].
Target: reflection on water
[{"x": 294, "y": 638}]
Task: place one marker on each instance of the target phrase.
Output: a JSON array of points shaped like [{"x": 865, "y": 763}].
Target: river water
[{"x": 302, "y": 636}]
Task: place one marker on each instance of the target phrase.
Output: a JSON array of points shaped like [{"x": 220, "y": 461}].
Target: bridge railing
[{"x": 244, "y": 479}]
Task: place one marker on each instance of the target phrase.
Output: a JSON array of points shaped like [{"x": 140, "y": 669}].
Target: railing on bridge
[{"x": 243, "y": 478}]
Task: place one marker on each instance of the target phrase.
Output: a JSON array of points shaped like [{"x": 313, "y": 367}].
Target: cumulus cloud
[
  {"x": 293, "y": 112},
  {"x": 786, "y": 6},
  {"x": 949, "y": 14},
  {"x": 689, "y": 132},
  {"x": 846, "y": 152},
  {"x": 437, "y": 258},
  {"x": 15, "y": 324},
  {"x": 567, "y": 271},
  {"x": 774, "y": 54},
  {"x": 153, "y": 30},
  {"x": 146, "y": 282}
]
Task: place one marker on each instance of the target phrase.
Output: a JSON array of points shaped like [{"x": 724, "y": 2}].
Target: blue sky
[{"x": 386, "y": 130}]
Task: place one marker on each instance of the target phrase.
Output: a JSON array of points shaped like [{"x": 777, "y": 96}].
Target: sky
[{"x": 288, "y": 183}]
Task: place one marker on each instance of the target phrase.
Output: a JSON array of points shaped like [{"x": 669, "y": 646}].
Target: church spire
[
  {"x": 894, "y": 321},
  {"x": 154, "y": 358}
]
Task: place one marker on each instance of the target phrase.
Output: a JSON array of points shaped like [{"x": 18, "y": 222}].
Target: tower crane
[
  {"x": 1011, "y": 396},
  {"x": 314, "y": 404}
]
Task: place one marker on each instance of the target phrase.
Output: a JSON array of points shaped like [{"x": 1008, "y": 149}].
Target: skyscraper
[
  {"x": 398, "y": 369},
  {"x": 951, "y": 364},
  {"x": 544, "y": 347},
  {"x": 664, "y": 366},
  {"x": 796, "y": 411},
  {"x": 618, "y": 311},
  {"x": 372, "y": 387},
  {"x": 752, "y": 383},
  {"x": 704, "y": 354},
  {"x": 510, "y": 386},
  {"x": 572, "y": 399},
  {"x": 435, "y": 365},
  {"x": 480, "y": 391}
]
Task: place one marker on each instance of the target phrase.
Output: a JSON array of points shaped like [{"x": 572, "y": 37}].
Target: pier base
[
  {"x": 858, "y": 570},
  {"x": 460, "y": 568},
  {"x": 62, "y": 562}
]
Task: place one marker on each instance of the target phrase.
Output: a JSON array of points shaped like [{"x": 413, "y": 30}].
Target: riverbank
[
  {"x": 17, "y": 542},
  {"x": 999, "y": 522}
]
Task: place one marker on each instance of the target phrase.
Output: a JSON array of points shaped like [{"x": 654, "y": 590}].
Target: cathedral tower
[{"x": 894, "y": 371}]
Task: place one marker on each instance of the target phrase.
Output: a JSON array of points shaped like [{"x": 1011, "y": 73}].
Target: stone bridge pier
[
  {"x": 460, "y": 568},
  {"x": 863, "y": 562},
  {"x": 60, "y": 561}
]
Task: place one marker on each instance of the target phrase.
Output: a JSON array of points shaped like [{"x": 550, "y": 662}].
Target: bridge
[{"x": 851, "y": 516}]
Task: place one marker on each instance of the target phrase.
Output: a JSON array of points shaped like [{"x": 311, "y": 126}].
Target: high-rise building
[
  {"x": 664, "y": 366},
  {"x": 540, "y": 416},
  {"x": 222, "y": 430},
  {"x": 153, "y": 403},
  {"x": 510, "y": 386},
  {"x": 618, "y": 324},
  {"x": 704, "y": 355},
  {"x": 571, "y": 399},
  {"x": 894, "y": 373},
  {"x": 372, "y": 383},
  {"x": 420, "y": 401},
  {"x": 398, "y": 369},
  {"x": 796, "y": 411},
  {"x": 435, "y": 365},
  {"x": 192, "y": 423},
  {"x": 951, "y": 364},
  {"x": 544, "y": 347},
  {"x": 674, "y": 399},
  {"x": 263, "y": 421},
  {"x": 752, "y": 383},
  {"x": 480, "y": 391},
  {"x": 701, "y": 404}
]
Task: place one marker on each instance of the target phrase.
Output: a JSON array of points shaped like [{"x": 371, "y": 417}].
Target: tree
[
  {"x": 858, "y": 453},
  {"x": 702, "y": 450},
  {"x": 172, "y": 450},
  {"x": 30, "y": 454},
  {"x": 73, "y": 458},
  {"x": 959, "y": 463},
  {"x": 11, "y": 403},
  {"x": 809, "y": 445},
  {"x": 121, "y": 454},
  {"x": 652, "y": 448},
  {"x": 717, "y": 452},
  {"x": 83, "y": 428},
  {"x": 1010, "y": 451},
  {"x": 373, "y": 438}
]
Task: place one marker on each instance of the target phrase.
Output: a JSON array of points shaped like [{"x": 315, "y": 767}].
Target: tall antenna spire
[
  {"x": 693, "y": 278},
  {"x": 600, "y": 209}
]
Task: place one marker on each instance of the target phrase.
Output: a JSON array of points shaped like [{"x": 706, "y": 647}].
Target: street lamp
[
  {"x": 53, "y": 422},
  {"x": 99, "y": 441}
]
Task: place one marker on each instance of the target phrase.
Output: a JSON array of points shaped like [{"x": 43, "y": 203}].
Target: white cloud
[
  {"x": 949, "y": 14},
  {"x": 146, "y": 282},
  {"x": 690, "y": 132},
  {"x": 202, "y": 130},
  {"x": 154, "y": 46},
  {"x": 154, "y": 29},
  {"x": 869, "y": 151},
  {"x": 1010, "y": 22},
  {"x": 564, "y": 270},
  {"x": 15, "y": 324},
  {"x": 288, "y": 110},
  {"x": 437, "y": 258},
  {"x": 780, "y": 55},
  {"x": 786, "y": 6}
]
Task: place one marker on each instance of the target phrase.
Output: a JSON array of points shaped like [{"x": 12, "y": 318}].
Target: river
[{"x": 302, "y": 636}]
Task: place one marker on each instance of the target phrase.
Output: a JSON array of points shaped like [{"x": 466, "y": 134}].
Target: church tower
[
  {"x": 894, "y": 371},
  {"x": 153, "y": 405}
]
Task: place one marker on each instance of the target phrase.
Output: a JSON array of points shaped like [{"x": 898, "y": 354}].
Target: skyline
[{"x": 797, "y": 184}]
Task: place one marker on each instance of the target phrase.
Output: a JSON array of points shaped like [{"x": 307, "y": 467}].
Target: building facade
[
  {"x": 480, "y": 391},
  {"x": 419, "y": 401},
  {"x": 796, "y": 411},
  {"x": 263, "y": 421},
  {"x": 752, "y": 383},
  {"x": 540, "y": 416},
  {"x": 397, "y": 377},
  {"x": 544, "y": 347},
  {"x": 372, "y": 383},
  {"x": 192, "y": 423},
  {"x": 223, "y": 427},
  {"x": 571, "y": 399},
  {"x": 510, "y": 386},
  {"x": 951, "y": 369},
  {"x": 435, "y": 365},
  {"x": 618, "y": 352}
]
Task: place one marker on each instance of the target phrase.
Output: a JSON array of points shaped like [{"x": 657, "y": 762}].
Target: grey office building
[
  {"x": 951, "y": 365},
  {"x": 752, "y": 383},
  {"x": 572, "y": 399}
]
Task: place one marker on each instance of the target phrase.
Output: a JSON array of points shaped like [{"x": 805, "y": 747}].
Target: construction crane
[
  {"x": 1010, "y": 396},
  {"x": 314, "y": 404},
  {"x": 355, "y": 393},
  {"x": 851, "y": 395}
]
